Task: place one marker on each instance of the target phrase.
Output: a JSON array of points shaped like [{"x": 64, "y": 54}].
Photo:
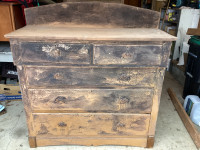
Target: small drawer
[
  {"x": 85, "y": 76},
  {"x": 139, "y": 55},
  {"x": 55, "y": 52},
  {"x": 90, "y": 124},
  {"x": 91, "y": 100}
]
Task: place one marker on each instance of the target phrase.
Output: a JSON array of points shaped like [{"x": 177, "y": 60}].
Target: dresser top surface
[{"x": 66, "y": 32}]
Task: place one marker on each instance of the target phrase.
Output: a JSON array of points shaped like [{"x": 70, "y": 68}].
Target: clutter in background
[
  {"x": 10, "y": 92},
  {"x": 192, "y": 107},
  {"x": 192, "y": 72}
]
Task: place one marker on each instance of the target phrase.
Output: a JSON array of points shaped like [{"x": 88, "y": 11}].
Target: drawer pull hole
[
  {"x": 124, "y": 77},
  {"x": 62, "y": 124},
  {"x": 126, "y": 55},
  {"x": 123, "y": 100},
  {"x": 60, "y": 99}
]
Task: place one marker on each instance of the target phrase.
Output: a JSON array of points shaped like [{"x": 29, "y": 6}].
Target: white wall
[{"x": 189, "y": 18}]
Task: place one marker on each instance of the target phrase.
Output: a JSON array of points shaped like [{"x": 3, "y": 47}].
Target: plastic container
[
  {"x": 192, "y": 81},
  {"x": 192, "y": 107}
]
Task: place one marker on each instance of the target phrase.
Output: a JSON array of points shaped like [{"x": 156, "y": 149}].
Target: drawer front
[
  {"x": 86, "y": 124},
  {"x": 58, "y": 76},
  {"x": 140, "y": 55},
  {"x": 56, "y": 52},
  {"x": 91, "y": 100}
]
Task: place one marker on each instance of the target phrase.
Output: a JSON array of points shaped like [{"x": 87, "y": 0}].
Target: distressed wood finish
[
  {"x": 150, "y": 142},
  {"x": 32, "y": 142},
  {"x": 96, "y": 141},
  {"x": 150, "y": 55},
  {"x": 91, "y": 100},
  {"x": 56, "y": 52},
  {"x": 93, "y": 33},
  {"x": 91, "y": 78},
  {"x": 58, "y": 76},
  {"x": 95, "y": 125},
  {"x": 88, "y": 13}
]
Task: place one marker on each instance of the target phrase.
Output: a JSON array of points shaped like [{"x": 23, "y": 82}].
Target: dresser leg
[
  {"x": 150, "y": 141},
  {"x": 32, "y": 141}
]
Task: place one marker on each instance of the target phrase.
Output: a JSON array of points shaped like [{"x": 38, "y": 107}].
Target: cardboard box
[
  {"x": 159, "y": 5},
  {"x": 10, "y": 92}
]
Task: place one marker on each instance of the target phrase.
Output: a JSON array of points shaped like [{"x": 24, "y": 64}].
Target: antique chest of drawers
[{"x": 91, "y": 73}]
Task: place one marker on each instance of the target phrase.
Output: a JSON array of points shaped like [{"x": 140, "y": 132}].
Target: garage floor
[{"x": 170, "y": 133}]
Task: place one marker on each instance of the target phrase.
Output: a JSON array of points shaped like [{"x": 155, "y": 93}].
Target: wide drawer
[
  {"x": 91, "y": 100},
  {"x": 55, "y": 52},
  {"x": 58, "y": 76},
  {"x": 85, "y": 124},
  {"x": 140, "y": 55}
]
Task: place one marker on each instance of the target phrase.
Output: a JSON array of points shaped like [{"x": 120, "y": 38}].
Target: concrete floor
[{"x": 170, "y": 132}]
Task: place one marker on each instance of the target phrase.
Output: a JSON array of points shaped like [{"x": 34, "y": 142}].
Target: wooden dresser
[{"x": 91, "y": 73}]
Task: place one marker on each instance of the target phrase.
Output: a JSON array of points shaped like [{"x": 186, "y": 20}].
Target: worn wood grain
[
  {"x": 26, "y": 101},
  {"x": 128, "y": 54},
  {"x": 106, "y": 1},
  {"x": 92, "y": 124},
  {"x": 95, "y": 141},
  {"x": 91, "y": 73},
  {"x": 83, "y": 33},
  {"x": 16, "y": 52},
  {"x": 88, "y": 76},
  {"x": 166, "y": 49},
  {"x": 117, "y": 15},
  {"x": 150, "y": 142},
  {"x": 32, "y": 142},
  {"x": 156, "y": 100},
  {"x": 55, "y": 52},
  {"x": 58, "y": 53},
  {"x": 91, "y": 100}
]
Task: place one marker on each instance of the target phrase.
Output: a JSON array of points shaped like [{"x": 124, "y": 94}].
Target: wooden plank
[
  {"x": 150, "y": 142},
  {"x": 72, "y": 53},
  {"x": 75, "y": 32},
  {"x": 165, "y": 53},
  {"x": 156, "y": 100},
  {"x": 91, "y": 124},
  {"x": 5, "y": 22},
  {"x": 189, "y": 125},
  {"x": 32, "y": 142},
  {"x": 193, "y": 31},
  {"x": 94, "y": 141},
  {"x": 107, "y": 1},
  {"x": 91, "y": 100},
  {"x": 128, "y": 54},
  {"x": 112, "y": 14},
  {"x": 26, "y": 101},
  {"x": 89, "y": 76}
]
